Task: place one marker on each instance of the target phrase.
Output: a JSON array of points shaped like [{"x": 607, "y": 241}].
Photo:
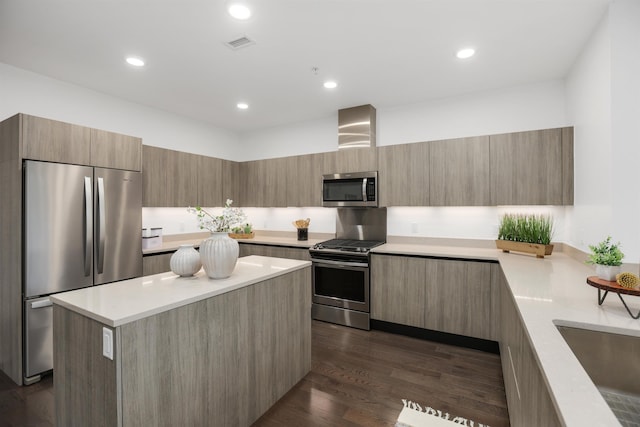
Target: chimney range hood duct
[{"x": 357, "y": 127}]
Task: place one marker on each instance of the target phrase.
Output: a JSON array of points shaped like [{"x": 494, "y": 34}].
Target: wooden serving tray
[
  {"x": 242, "y": 235},
  {"x": 607, "y": 286}
]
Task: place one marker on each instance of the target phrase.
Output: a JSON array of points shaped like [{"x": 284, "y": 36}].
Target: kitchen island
[{"x": 185, "y": 351}]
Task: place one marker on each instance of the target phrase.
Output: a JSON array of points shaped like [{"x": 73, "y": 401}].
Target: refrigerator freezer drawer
[{"x": 38, "y": 338}]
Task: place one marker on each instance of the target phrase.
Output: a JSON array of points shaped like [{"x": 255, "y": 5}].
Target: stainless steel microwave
[{"x": 357, "y": 189}]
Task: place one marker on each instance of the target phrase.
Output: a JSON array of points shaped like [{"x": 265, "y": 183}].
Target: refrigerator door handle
[
  {"x": 101, "y": 225},
  {"x": 88, "y": 220},
  {"x": 42, "y": 304}
]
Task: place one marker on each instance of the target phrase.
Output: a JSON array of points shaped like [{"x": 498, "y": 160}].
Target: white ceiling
[{"x": 381, "y": 52}]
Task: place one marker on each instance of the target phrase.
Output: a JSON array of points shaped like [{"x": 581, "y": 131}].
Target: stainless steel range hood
[{"x": 357, "y": 127}]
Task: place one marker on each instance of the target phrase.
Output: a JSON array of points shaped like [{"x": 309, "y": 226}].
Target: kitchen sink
[{"x": 611, "y": 361}]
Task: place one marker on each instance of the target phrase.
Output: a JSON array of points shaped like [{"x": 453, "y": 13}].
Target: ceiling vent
[
  {"x": 357, "y": 127},
  {"x": 239, "y": 43}
]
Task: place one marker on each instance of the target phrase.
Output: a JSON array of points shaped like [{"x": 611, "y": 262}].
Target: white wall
[
  {"x": 528, "y": 107},
  {"x": 25, "y": 92},
  {"x": 603, "y": 103}
]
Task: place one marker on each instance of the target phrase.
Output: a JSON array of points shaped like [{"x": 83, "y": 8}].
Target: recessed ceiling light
[
  {"x": 242, "y": 105},
  {"x": 330, "y": 84},
  {"x": 136, "y": 62},
  {"x": 466, "y": 53},
  {"x": 239, "y": 10}
]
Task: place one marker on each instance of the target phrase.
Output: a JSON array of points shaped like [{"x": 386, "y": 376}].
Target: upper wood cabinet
[
  {"x": 264, "y": 183},
  {"x": 304, "y": 178},
  {"x": 356, "y": 160},
  {"x": 532, "y": 168},
  {"x": 460, "y": 172},
  {"x": 169, "y": 178},
  {"x": 231, "y": 182},
  {"x": 209, "y": 179},
  {"x": 54, "y": 141},
  {"x": 403, "y": 175},
  {"x": 114, "y": 150}
]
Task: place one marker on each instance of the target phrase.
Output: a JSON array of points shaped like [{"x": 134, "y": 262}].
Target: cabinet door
[
  {"x": 275, "y": 182},
  {"x": 182, "y": 179},
  {"x": 460, "y": 172},
  {"x": 53, "y": 141},
  {"x": 210, "y": 182},
  {"x": 154, "y": 264},
  {"x": 398, "y": 291},
  {"x": 231, "y": 182},
  {"x": 526, "y": 168},
  {"x": 251, "y": 183},
  {"x": 356, "y": 160},
  {"x": 459, "y": 300},
  {"x": 154, "y": 177},
  {"x": 403, "y": 173},
  {"x": 247, "y": 249},
  {"x": 304, "y": 180},
  {"x": 116, "y": 151}
]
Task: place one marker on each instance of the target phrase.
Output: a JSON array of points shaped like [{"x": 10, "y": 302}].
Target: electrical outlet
[
  {"x": 107, "y": 343},
  {"x": 414, "y": 228}
]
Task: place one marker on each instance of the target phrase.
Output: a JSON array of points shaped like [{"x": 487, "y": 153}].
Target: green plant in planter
[
  {"x": 242, "y": 229},
  {"x": 606, "y": 253},
  {"x": 527, "y": 228}
]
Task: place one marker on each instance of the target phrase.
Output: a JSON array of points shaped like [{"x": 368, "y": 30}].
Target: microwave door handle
[{"x": 364, "y": 189}]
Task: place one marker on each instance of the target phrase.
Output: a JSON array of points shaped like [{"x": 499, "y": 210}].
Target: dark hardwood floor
[{"x": 357, "y": 378}]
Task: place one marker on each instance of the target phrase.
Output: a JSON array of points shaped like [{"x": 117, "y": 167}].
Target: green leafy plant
[
  {"x": 528, "y": 228},
  {"x": 243, "y": 229},
  {"x": 606, "y": 253}
]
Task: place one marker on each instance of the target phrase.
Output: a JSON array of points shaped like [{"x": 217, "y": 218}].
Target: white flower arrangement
[{"x": 219, "y": 223}]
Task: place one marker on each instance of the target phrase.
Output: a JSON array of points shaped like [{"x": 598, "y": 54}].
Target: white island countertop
[
  {"x": 550, "y": 292},
  {"x": 118, "y": 303}
]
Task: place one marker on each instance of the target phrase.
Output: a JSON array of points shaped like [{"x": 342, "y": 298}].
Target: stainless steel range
[{"x": 341, "y": 267}]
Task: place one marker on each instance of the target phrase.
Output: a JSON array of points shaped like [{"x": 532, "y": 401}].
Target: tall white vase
[
  {"x": 219, "y": 254},
  {"x": 185, "y": 261}
]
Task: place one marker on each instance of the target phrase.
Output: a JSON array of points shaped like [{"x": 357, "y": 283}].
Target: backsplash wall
[{"x": 472, "y": 222}]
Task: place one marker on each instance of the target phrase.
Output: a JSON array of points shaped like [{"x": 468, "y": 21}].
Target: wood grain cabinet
[
  {"x": 304, "y": 178},
  {"x": 54, "y": 141},
  {"x": 116, "y": 151},
  {"x": 264, "y": 183},
  {"x": 356, "y": 160},
  {"x": 156, "y": 263},
  {"x": 528, "y": 397},
  {"x": 247, "y": 249},
  {"x": 231, "y": 182},
  {"x": 439, "y": 294},
  {"x": 209, "y": 178},
  {"x": 532, "y": 168},
  {"x": 169, "y": 178},
  {"x": 403, "y": 173},
  {"x": 460, "y": 172}
]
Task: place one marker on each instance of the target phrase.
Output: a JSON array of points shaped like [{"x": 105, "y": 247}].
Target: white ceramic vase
[
  {"x": 185, "y": 261},
  {"x": 219, "y": 254},
  {"x": 607, "y": 272}
]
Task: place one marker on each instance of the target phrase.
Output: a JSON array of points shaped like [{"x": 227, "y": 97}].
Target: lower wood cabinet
[
  {"x": 156, "y": 263},
  {"x": 527, "y": 395},
  {"x": 247, "y": 249},
  {"x": 454, "y": 296}
]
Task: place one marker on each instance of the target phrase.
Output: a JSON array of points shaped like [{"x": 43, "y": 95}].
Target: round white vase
[
  {"x": 219, "y": 254},
  {"x": 185, "y": 261},
  {"x": 607, "y": 272}
]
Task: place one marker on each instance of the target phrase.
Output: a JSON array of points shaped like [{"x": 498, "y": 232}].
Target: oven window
[
  {"x": 340, "y": 283},
  {"x": 343, "y": 190}
]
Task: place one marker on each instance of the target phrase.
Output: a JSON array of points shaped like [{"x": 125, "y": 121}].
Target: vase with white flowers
[{"x": 219, "y": 253}]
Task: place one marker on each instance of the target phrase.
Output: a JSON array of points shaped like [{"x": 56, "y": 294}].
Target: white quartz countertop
[
  {"x": 549, "y": 292},
  {"x": 118, "y": 303}
]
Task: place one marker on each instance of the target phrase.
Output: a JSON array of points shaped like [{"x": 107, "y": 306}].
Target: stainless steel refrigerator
[{"x": 82, "y": 227}]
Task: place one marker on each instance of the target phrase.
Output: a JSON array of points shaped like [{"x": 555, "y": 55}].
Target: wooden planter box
[
  {"x": 242, "y": 235},
  {"x": 531, "y": 248}
]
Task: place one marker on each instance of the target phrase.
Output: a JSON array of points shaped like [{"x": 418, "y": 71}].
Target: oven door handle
[{"x": 339, "y": 263}]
